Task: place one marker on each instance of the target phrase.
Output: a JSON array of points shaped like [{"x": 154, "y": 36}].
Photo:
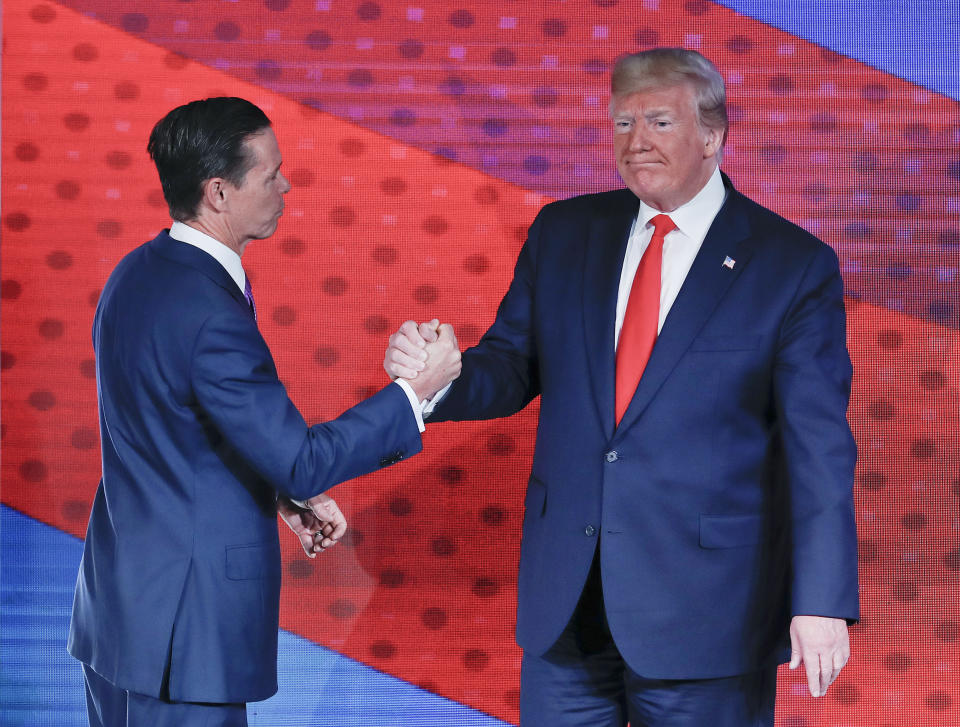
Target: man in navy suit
[
  {"x": 176, "y": 608},
  {"x": 689, "y": 516}
]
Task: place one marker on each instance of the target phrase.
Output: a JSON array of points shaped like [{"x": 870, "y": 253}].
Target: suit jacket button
[
  {"x": 611, "y": 456},
  {"x": 589, "y": 531},
  {"x": 391, "y": 459}
]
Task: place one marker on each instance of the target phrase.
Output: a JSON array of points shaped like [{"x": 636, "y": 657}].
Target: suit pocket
[
  {"x": 730, "y": 531},
  {"x": 251, "y": 562},
  {"x": 726, "y": 343}
]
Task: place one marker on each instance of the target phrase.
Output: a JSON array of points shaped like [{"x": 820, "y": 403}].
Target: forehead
[
  {"x": 679, "y": 99},
  {"x": 263, "y": 147}
]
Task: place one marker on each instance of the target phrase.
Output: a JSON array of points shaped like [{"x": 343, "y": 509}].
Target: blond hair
[{"x": 668, "y": 67}]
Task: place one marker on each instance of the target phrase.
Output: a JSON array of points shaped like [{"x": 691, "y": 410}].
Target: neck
[{"x": 218, "y": 231}]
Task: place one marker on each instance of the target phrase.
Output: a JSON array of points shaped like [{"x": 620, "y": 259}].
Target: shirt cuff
[
  {"x": 415, "y": 403},
  {"x": 430, "y": 404}
]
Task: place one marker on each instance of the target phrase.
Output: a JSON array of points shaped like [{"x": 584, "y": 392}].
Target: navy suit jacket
[
  {"x": 181, "y": 565},
  {"x": 723, "y": 500}
]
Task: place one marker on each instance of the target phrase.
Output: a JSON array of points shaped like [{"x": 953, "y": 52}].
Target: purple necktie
[{"x": 248, "y": 294}]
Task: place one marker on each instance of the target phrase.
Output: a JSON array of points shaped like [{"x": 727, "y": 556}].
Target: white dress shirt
[
  {"x": 231, "y": 263},
  {"x": 214, "y": 248},
  {"x": 680, "y": 247}
]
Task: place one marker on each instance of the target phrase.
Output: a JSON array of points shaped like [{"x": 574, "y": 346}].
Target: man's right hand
[
  {"x": 406, "y": 354},
  {"x": 426, "y": 356}
]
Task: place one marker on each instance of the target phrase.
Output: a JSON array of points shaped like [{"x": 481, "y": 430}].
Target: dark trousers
[
  {"x": 583, "y": 681},
  {"x": 110, "y": 706}
]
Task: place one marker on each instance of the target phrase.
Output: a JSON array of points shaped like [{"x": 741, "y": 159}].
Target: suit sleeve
[
  {"x": 500, "y": 373},
  {"x": 812, "y": 380},
  {"x": 236, "y": 385}
]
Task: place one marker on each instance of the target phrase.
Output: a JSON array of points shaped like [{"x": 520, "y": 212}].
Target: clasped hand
[{"x": 427, "y": 356}]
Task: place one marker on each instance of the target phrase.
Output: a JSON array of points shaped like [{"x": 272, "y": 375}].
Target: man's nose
[
  {"x": 639, "y": 140},
  {"x": 285, "y": 187}
]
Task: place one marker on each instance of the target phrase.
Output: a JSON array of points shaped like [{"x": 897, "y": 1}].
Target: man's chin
[
  {"x": 646, "y": 178},
  {"x": 269, "y": 230},
  {"x": 643, "y": 190}
]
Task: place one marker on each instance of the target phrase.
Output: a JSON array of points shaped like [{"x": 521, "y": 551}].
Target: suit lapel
[
  {"x": 606, "y": 246},
  {"x": 702, "y": 290}
]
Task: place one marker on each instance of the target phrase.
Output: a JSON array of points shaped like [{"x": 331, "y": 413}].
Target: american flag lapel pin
[{"x": 729, "y": 262}]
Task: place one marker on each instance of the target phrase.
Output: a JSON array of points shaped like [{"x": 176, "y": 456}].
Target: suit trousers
[
  {"x": 110, "y": 706},
  {"x": 583, "y": 681}
]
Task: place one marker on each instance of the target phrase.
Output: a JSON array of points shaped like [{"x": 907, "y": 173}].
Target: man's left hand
[
  {"x": 823, "y": 645},
  {"x": 319, "y": 527}
]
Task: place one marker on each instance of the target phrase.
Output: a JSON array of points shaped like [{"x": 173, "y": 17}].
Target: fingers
[
  {"x": 316, "y": 545},
  {"x": 811, "y": 664},
  {"x": 445, "y": 333},
  {"x": 333, "y": 523},
  {"x": 838, "y": 662},
  {"x": 832, "y": 665},
  {"x": 443, "y": 366},
  {"x": 319, "y": 527},
  {"x": 822, "y": 670},
  {"x": 795, "y": 659},
  {"x": 428, "y": 330},
  {"x": 405, "y": 354},
  {"x": 309, "y": 533},
  {"x": 411, "y": 331},
  {"x": 332, "y": 532},
  {"x": 826, "y": 672},
  {"x": 399, "y": 365},
  {"x": 823, "y": 646},
  {"x": 840, "y": 659},
  {"x": 299, "y": 521},
  {"x": 409, "y": 340},
  {"x": 308, "y": 542}
]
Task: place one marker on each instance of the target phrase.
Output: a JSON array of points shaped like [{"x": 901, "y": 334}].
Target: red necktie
[{"x": 639, "y": 330}]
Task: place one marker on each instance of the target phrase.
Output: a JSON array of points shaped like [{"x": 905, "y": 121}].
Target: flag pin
[{"x": 729, "y": 262}]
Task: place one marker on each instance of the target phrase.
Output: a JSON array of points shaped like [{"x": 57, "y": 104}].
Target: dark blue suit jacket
[
  {"x": 181, "y": 564},
  {"x": 723, "y": 501}
]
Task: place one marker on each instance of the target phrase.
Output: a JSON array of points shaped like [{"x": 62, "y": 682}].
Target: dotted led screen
[{"x": 421, "y": 139}]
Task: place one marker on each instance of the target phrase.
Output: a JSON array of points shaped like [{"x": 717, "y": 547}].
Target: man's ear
[
  {"x": 215, "y": 193},
  {"x": 712, "y": 142}
]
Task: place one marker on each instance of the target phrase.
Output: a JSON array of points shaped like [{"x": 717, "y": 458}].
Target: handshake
[{"x": 427, "y": 357}]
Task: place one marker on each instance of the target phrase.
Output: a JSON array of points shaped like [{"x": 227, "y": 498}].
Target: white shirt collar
[
  {"x": 217, "y": 250},
  {"x": 693, "y": 218}
]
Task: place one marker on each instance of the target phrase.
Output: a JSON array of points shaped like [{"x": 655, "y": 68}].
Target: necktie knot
[{"x": 662, "y": 224}]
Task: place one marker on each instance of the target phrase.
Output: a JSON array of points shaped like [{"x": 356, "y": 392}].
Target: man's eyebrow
[{"x": 657, "y": 112}]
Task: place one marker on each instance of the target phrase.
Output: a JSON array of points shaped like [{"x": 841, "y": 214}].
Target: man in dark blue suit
[
  {"x": 176, "y": 608},
  {"x": 689, "y": 517}
]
